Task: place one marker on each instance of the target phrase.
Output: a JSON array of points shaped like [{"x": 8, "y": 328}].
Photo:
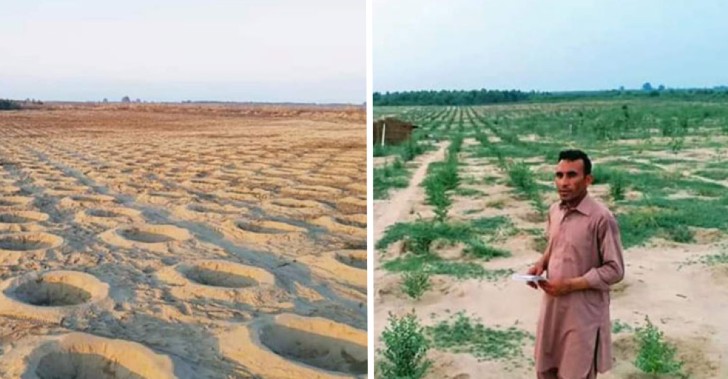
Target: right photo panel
[{"x": 549, "y": 189}]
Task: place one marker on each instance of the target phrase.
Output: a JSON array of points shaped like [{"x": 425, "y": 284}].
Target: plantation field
[
  {"x": 462, "y": 207},
  {"x": 183, "y": 241}
]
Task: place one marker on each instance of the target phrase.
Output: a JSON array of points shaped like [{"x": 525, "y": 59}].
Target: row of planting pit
[
  {"x": 288, "y": 341},
  {"x": 307, "y": 346}
]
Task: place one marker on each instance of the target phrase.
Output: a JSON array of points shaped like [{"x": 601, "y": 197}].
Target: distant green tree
[
  {"x": 647, "y": 87},
  {"x": 6, "y": 105},
  {"x": 448, "y": 97}
]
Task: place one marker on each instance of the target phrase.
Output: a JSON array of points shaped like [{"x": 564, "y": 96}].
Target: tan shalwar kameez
[{"x": 574, "y": 330}]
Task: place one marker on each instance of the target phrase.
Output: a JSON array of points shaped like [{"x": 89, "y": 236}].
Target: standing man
[{"x": 583, "y": 258}]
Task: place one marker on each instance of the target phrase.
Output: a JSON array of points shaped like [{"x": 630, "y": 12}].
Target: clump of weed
[
  {"x": 461, "y": 334},
  {"x": 655, "y": 355},
  {"x": 521, "y": 178},
  {"x": 715, "y": 259},
  {"x": 681, "y": 233},
  {"x": 617, "y": 187},
  {"x": 415, "y": 283},
  {"x": 404, "y": 354},
  {"x": 677, "y": 144},
  {"x": 497, "y": 204},
  {"x": 478, "y": 249},
  {"x": 419, "y": 235},
  {"x": 619, "y": 327},
  {"x": 393, "y": 175}
]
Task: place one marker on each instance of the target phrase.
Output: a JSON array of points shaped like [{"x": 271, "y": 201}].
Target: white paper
[{"x": 527, "y": 278}]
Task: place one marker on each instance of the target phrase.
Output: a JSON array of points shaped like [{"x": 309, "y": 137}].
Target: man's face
[{"x": 570, "y": 179}]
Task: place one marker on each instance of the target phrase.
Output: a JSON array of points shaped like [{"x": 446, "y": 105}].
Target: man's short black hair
[{"x": 575, "y": 155}]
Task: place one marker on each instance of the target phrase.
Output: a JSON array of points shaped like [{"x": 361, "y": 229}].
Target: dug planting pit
[
  {"x": 21, "y": 217},
  {"x": 146, "y": 236},
  {"x": 295, "y": 208},
  {"x": 207, "y": 212},
  {"x": 310, "y": 346},
  {"x": 80, "y": 355},
  {"x": 265, "y": 227},
  {"x": 225, "y": 281},
  {"x": 355, "y": 258},
  {"x": 93, "y": 199},
  {"x": 15, "y": 201},
  {"x": 21, "y": 221},
  {"x": 262, "y": 231},
  {"x": 341, "y": 226},
  {"x": 103, "y": 213},
  {"x": 51, "y": 295},
  {"x": 219, "y": 273},
  {"x": 107, "y": 216},
  {"x": 347, "y": 267},
  {"x": 27, "y": 242},
  {"x": 9, "y": 189},
  {"x": 313, "y": 349}
]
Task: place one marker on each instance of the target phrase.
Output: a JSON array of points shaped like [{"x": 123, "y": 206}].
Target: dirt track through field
[{"x": 388, "y": 212}]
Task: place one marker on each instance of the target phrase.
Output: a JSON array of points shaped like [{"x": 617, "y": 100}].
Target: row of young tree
[{"x": 448, "y": 97}]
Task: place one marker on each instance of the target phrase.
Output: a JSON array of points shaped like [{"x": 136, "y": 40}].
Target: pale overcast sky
[
  {"x": 548, "y": 45},
  {"x": 173, "y": 50}
]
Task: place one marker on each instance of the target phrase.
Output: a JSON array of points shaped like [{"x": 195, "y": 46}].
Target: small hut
[{"x": 394, "y": 131}]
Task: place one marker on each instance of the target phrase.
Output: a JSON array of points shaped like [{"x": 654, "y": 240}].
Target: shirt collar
[{"x": 584, "y": 206}]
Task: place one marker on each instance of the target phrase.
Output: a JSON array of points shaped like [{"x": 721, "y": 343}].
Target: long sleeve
[
  {"x": 610, "y": 245},
  {"x": 545, "y": 255}
]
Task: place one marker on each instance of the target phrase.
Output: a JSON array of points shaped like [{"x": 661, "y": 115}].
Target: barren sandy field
[
  {"x": 183, "y": 241},
  {"x": 662, "y": 168}
]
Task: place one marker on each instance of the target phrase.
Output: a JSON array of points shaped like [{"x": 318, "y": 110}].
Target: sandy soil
[
  {"x": 187, "y": 241},
  {"x": 686, "y": 301}
]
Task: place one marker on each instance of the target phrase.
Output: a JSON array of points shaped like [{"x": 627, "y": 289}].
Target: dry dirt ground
[
  {"x": 687, "y": 301},
  {"x": 188, "y": 241}
]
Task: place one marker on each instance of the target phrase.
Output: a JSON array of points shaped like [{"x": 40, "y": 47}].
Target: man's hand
[
  {"x": 535, "y": 270},
  {"x": 556, "y": 287}
]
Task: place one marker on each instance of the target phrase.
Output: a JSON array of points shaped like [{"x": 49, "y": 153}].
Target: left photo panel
[{"x": 183, "y": 189}]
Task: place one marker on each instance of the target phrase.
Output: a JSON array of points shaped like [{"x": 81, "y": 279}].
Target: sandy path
[{"x": 387, "y": 212}]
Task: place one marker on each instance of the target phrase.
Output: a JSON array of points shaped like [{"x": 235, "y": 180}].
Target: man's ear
[{"x": 589, "y": 179}]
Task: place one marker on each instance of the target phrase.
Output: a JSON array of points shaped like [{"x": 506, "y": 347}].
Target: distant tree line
[
  {"x": 483, "y": 96},
  {"x": 8, "y": 105},
  {"x": 449, "y": 97}
]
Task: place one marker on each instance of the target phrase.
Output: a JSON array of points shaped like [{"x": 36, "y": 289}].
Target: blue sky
[
  {"x": 165, "y": 50},
  {"x": 548, "y": 45}
]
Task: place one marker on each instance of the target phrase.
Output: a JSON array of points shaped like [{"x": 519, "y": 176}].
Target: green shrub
[
  {"x": 404, "y": 355},
  {"x": 380, "y": 150},
  {"x": 415, "y": 283},
  {"x": 655, "y": 356}
]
